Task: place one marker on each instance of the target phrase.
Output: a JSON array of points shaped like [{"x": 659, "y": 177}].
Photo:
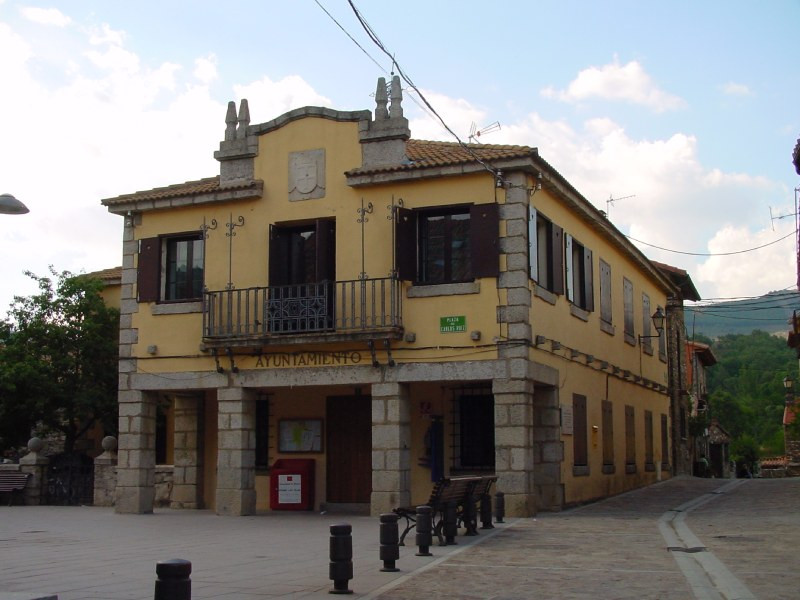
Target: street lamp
[
  {"x": 11, "y": 206},
  {"x": 658, "y": 318},
  {"x": 788, "y": 384}
]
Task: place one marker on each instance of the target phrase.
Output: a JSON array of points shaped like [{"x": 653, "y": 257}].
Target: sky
[{"x": 685, "y": 112}]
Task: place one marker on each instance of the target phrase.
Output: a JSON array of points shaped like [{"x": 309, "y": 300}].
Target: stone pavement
[{"x": 610, "y": 549}]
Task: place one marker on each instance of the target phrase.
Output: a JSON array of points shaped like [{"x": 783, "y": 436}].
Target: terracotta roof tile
[
  {"x": 107, "y": 274},
  {"x": 423, "y": 153},
  {"x": 189, "y": 188}
]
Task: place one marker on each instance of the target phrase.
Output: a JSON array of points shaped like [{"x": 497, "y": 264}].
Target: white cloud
[
  {"x": 627, "y": 83},
  {"x": 736, "y": 89},
  {"x": 458, "y": 113},
  {"x": 45, "y": 16},
  {"x": 205, "y": 69},
  {"x": 106, "y": 35},
  {"x": 267, "y": 98}
]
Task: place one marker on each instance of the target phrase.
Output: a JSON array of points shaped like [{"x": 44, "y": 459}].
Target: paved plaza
[{"x": 680, "y": 539}]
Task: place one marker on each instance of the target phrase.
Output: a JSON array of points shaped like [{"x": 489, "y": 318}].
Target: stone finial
[
  {"x": 396, "y": 108},
  {"x": 35, "y": 444},
  {"x": 109, "y": 443},
  {"x": 244, "y": 119},
  {"x": 230, "y": 122},
  {"x": 381, "y": 100}
]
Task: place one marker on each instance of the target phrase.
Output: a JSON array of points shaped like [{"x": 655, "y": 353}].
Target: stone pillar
[
  {"x": 187, "y": 476},
  {"x": 236, "y": 452},
  {"x": 548, "y": 450},
  {"x": 35, "y": 464},
  {"x": 513, "y": 442},
  {"x": 105, "y": 473},
  {"x": 391, "y": 443},
  {"x": 136, "y": 459}
]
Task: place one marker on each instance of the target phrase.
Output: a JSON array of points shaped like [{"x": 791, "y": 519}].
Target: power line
[
  {"x": 350, "y": 36},
  {"x": 633, "y": 239}
]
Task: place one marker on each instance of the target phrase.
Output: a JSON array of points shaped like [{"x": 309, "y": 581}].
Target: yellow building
[{"x": 395, "y": 310}]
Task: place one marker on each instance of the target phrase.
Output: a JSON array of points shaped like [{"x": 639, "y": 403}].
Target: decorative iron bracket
[
  {"x": 371, "y": 346},
  {"x": 234, "y": 368},
  {"x": 216, "y": 360},
  {"x": 387, "y": 345}
]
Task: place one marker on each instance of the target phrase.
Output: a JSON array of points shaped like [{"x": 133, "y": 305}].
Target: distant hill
[{"x": 771, "y": 313}]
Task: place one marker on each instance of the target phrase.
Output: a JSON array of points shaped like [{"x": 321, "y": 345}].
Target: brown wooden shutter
[
  {"x": 557, "y": 251},
  {"x": 664, "y": 441},
  {"x": 326, "y": 250},
  {"x": 648, "y": 437},
  {"x": 580, "y": 444},
  {"x": 484, "y": 233},
  {"x": 588, "y": 275},
  {"x": 608, "y": 432},
  {"x": 147, "y": 279},
  {"x": 605, "y": 292},
  {"x": 406, "y": 244},
  {"x": 627, "y": 297},
  {"x": 630, "y": 436},
  {"x": 278, "y": 257}
]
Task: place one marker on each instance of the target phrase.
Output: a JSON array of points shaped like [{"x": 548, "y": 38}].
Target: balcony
[{"x": 304, "y": 313}]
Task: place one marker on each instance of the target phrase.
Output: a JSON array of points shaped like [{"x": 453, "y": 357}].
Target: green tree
[{"x": 58, "y": 360}]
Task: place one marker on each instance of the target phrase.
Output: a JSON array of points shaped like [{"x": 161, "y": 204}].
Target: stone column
[
  {"x": 105, "y": 473},
  {"x": 236, "y": 452},
  {"x": 513, "y": 442},
  {"x": 548, "y": 450},
  {"x": 35, "y": 464},
  {"x": 136, "y": 459},
  {"x": 187, "y": 476},
  {"x": 391, "y": 443}
]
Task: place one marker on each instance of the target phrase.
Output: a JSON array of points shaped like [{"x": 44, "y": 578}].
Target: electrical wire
[
  {"x": 633, "y": 239},
  {"x": 350, "y": 36}
]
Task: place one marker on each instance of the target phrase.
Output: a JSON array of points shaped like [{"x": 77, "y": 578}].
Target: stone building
[{"x": 392, "y": 311}]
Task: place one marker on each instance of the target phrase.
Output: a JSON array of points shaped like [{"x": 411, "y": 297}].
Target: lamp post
[
  {"x": 11, "y": 206},
  {"x": 658, "y": 318}
]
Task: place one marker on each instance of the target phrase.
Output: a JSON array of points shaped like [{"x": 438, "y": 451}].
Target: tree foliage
[
  {"x": 58, "y": 360},
  {"x": 746, "y": 387}
]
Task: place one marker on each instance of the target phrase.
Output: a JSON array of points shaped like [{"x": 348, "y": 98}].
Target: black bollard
[
  {"x": 173, "y": 581},
  {"x": 389, "y": 537},
  {"x": 341, "y": 551},
  {"x": 486, "y": 512},
  {"x": 424, "y": 537},
  {"x": 450, "y": 523},
  {"x": 500, "y": 506}
]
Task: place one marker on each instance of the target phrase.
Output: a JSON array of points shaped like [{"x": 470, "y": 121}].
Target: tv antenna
[
  {"x": 774, "y": 218},
  {"x": 475, "y": 133},
  {"x": 611, "y": 200}
]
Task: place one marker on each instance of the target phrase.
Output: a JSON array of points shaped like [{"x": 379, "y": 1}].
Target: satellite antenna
[
  {"x": 774, "y": 218},
  {"x": 475, "y": 133},
  {"x": 611, "y": 200}
]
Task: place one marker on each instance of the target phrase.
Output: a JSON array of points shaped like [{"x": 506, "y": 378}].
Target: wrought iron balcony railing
[{"x": 335, "y": 307}]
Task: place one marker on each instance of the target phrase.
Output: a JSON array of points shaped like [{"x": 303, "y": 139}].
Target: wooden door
[{"x": 349, "y": 449}]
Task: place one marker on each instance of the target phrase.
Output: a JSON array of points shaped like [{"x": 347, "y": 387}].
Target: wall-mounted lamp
[
  {"x": 658, "y": 318},
  {"x": 11, "y": 206},
  {"x": 788, "y": 388}
]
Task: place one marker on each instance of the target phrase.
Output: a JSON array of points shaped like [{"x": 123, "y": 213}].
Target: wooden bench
[
  {"x": 12, "y": 482},
  {"x": 456, "y": 491}
]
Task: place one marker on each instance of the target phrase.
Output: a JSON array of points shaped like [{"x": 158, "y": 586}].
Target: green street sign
[{"x": 452, "y": 324}]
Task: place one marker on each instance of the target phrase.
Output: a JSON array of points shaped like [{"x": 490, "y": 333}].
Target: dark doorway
[{"x": 349, "y": 449}]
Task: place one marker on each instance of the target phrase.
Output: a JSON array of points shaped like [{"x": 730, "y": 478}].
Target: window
[
  {"x": 664, "y": 443},
  {"x": 630, "y": 440},
  {"x": 262, "y": 431},
  {"x": 647, "y": 322},
  {"x": 649, "y": 462},
  {"x": 579, "y": 274},
  {"x": 545, "y": 252},
  {"x": 579, "y": 434},
  {"x": 444, "y": 247},
  {"x": 627, "y": 300},
  {"x": 605, "y": 292},
  {"x": 170, "y": 268},
  {"x": 183, "y": 268},
  {"x": 447, "y": 245},
  {"x": 473, "y": 430},
  {"x": 608, "y": 436}
]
